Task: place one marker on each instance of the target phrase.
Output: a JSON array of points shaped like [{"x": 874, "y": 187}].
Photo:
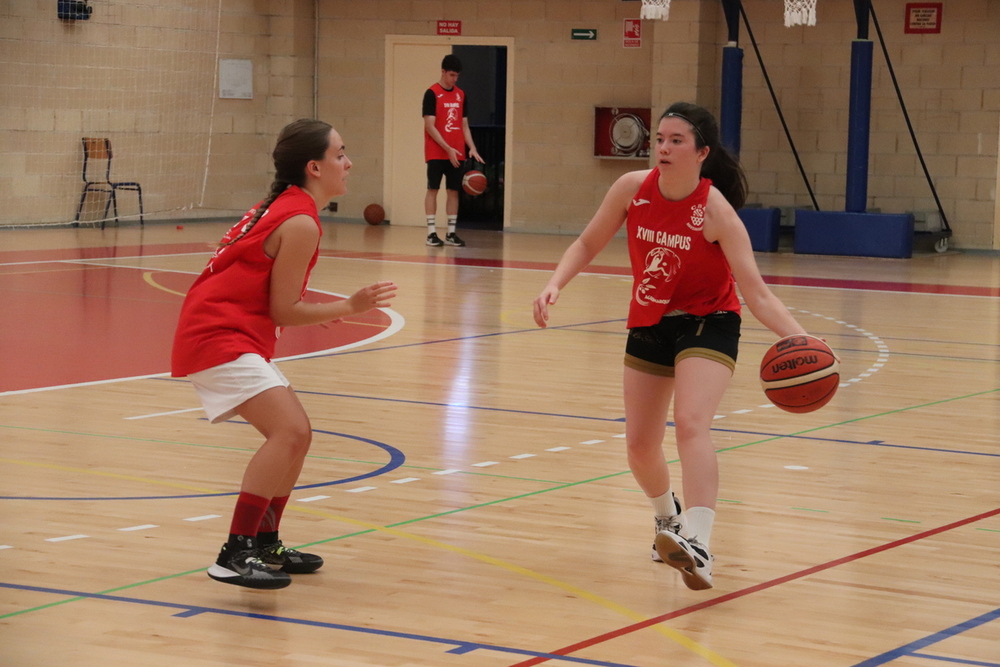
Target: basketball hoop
[
  {"x": 656, "y": 9},
  {"x": 799, "y": 12}
]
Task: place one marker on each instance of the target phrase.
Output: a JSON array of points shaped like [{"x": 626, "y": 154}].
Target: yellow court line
[
  {"x": 109, "y": 474},
  {"x": 672, "y": 634},
  {"x": 148, "y": 277}
]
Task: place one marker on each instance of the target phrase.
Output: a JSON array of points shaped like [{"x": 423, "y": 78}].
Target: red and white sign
[
  {"x": 632, "y": 33},
  {"x": 923, "y": 18},
  {"x": 449, "y": 27}
]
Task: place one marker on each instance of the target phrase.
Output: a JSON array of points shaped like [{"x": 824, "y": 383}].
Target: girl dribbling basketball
[
  {"x": 688, "y": 250},
  {"x": 252, "y": 287}
]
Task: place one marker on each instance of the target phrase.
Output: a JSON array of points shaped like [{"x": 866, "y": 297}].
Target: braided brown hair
[
  {"x": 299, "y": 143},
  {"x": 721, "y": 166}
]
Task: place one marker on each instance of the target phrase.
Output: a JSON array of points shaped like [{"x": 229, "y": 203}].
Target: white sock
[
  {"x": 452, "y": 221},
  {"x": 431, "y": 221},
  {"x": 699, "y": 524},
  {"x": 663, "y": 506}
]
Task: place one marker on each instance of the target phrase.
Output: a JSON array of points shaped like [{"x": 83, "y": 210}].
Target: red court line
[
  {"x": 614, "y": 634},
  {"x": 105, "y": 252}
]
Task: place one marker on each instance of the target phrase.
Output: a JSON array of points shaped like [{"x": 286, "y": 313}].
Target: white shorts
[{"x": 225, "y": 387}]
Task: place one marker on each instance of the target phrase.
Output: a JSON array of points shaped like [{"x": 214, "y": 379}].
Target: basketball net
[
  {"x": 655, "y": 9},
  {"x": 799, "y": 12}
]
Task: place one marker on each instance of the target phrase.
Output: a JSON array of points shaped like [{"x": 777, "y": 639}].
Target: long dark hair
[
  {"x": 721, "y": 166},
  {"x": 299, "y": 143}
]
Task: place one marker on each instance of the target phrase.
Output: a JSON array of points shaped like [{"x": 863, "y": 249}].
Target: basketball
[
  {"x": 800, "y": 373},
  {"x": 374, "y": 214},
  {"x": 474, "y": 182}
]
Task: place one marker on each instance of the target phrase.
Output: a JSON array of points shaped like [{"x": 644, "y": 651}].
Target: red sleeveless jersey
[
  {"x": 673, "y": 266},
  {"x": 227, "y": 311},
  {"x": 448, "y": 114}
]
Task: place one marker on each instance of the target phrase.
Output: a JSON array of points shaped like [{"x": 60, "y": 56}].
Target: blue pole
[
  {"x": 859, "y": 126},
  {"x": 732, "y": 98}
]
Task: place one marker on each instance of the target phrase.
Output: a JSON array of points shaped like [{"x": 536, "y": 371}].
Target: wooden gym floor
[{"x": 467, "y": 484}]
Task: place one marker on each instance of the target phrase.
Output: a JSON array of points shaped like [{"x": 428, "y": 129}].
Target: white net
[
  {"x": 655, "y": 9},
  {"x": 136, "y": 72},
  {"x": 800, "y": 12}
]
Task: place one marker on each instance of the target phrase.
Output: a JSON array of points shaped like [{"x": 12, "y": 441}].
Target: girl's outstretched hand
[
  {"x": 548, "y": 297},
  {"x": 377, "y": 295}
]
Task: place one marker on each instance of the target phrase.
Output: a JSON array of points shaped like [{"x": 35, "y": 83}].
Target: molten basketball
[
  {"x": 374, "y": 214},
  {"x": 474, "y": 182},
  {"x": 800, "y": 373}
]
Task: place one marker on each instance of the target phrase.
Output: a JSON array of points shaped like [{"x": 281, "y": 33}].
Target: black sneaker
[
  {"x": 289, "y": 560},
  {"x": 245, "y": 568},
  {"x": 452, "y": 239},
  {"x": 433, "y": 240}
]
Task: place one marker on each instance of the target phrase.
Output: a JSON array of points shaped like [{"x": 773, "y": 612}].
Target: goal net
[{"x": 139, "y": 73}]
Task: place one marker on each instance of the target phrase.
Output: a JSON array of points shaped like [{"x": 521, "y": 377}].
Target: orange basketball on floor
[
  {"x": 800, "y": 373},
  {"x": 374, "y": 214},
  {"x": 474, "y": 182}
]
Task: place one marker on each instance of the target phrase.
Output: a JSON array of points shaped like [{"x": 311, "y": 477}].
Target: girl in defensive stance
[
  {"x": 231, "y": 318},
  {"x": 688, "y": 251}
]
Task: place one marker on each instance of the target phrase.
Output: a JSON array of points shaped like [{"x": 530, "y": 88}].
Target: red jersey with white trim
[
  {"x": 673, "y": 266},
  {"x": 449, "y": 110},
  {"x": 227, "y": 311}
]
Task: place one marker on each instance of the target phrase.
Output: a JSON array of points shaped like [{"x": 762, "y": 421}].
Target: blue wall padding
[
  {"x": 855, "y": 234},
  {"x": 763, "y": 225}
]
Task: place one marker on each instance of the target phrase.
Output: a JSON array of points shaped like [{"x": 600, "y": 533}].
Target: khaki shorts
[{"x": 225, "y": 387}]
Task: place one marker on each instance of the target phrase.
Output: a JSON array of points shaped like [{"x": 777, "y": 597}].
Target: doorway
[{"x": 413, "y": 63}]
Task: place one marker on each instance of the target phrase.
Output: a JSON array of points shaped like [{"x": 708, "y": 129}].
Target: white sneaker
[
  {"x": 673, "y": 524},
  {"x": 688, "y": 557}
]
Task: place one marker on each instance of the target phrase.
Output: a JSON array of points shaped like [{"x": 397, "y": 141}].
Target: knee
[{"x": 298, "y": 438}]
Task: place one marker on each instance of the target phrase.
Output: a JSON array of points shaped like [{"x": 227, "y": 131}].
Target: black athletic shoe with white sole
[
  {"x": 289, "y": 560},
  {"x": 245, "y": 568}
]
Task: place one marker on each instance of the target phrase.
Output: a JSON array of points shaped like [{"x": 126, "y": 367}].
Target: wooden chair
[{"x": 95, "y": 153}]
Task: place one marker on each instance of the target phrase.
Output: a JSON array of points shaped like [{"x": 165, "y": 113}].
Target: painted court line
[
  {"x": 485, "y": 464},
  {"x": 144, "y": 526},
  {"x": 522, "y": 456},
  {"x": 614, "y": 634},
  {"x": 557, "y": 449},
  {"x": 311, "y": 499},
  {"x": 449, "y": 471},
  {"x": 164, "y": 414},
  {"x": 67, "y": 538},
  {"x": 204, "y": 517},
  {"x": 591, "y": 442},
  {"x": 456, "y": 646},
  {"x": 405, "y": 480},
  {"x": 362, "y": 489}
]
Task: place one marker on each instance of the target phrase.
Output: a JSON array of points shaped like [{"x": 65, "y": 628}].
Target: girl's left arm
[
  {"x": 297, "y": 239},
  {"x": 723, "y": 226}
]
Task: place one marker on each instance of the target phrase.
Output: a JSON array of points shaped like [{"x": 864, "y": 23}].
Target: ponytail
[
  {"x": 299, "y": 143},
  {"x": 721, "y": 166}
]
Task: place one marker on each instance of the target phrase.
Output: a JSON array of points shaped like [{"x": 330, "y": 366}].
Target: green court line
[
  {"x": 889, "y": 518},
  {"x": 989, "y": 530},
  {"x": 494, "y": 502},
  {"x": 809, "y": 509}
]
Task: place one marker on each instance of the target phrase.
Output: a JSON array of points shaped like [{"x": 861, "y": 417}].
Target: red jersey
[
  {"x": 227, "y": 311},
  {"x": 449, "y": 111},
  {"x": 673, "y": 266}
]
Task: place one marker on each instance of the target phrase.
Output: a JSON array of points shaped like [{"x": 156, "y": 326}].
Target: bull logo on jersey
[
  {"x": 697, "y": 217},
  {"x": 452, "y": 122},
  {"x": 662, "y": 266}
]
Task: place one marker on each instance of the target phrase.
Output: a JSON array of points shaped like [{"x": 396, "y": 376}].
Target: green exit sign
[{"x": 584, "y": 33}]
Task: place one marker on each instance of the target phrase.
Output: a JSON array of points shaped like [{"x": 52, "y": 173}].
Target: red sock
[
  {"x": 248, "y": 513},
  {"x": 272, "y": 517}
]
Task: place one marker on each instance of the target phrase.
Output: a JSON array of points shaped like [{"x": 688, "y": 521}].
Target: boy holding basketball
[
  {"x": 446, "y": 134},
  {"x": 688, "y": 250}
]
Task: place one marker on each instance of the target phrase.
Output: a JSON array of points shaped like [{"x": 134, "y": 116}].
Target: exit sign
[{"x": 584, "y": 33}]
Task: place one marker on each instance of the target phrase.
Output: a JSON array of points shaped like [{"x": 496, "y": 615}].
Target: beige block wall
[{"x": 144, "y": 74}]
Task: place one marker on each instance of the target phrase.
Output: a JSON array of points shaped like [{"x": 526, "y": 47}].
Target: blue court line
[
  {"x": 396, "y": 459},
  {"x": 910, "y": 650},
  {"x": 621, "y": 420},
  {"x": 460, "y": 647},
  {"x": 958, "y": 661}
]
